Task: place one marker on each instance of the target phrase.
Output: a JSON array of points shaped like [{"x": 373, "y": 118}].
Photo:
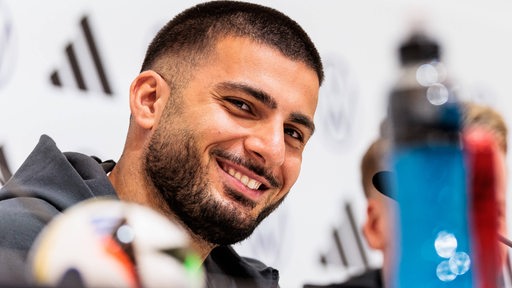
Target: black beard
[{"x": 173, "y": 165}]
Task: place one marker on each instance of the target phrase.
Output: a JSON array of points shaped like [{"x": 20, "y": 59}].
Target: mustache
[{"x": 249, "y": 164}]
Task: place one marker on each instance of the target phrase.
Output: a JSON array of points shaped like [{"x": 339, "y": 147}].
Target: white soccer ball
[{"x": 109, "y": 243}]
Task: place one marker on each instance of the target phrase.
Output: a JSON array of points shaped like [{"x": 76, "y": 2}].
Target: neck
[{"x": 201, "y": 247}]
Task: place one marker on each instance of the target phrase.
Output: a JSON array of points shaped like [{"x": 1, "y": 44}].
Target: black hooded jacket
[{"x": 50, "y": 181}]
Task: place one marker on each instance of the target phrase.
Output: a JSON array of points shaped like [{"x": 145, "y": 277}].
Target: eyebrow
[
  {"x": 270, "y": 102},
  {"x": 303, "y": 120},
  {"x": 258, "y": 94}
]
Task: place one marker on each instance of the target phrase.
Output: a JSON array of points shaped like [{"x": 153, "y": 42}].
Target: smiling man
[{"x": 220, "y": 116}]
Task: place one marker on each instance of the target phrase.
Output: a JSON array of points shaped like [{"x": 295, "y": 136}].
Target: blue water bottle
[{"x": 432, "y": 235}]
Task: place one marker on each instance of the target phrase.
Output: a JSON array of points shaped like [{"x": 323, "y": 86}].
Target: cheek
[
  {"x": 391, "y": 220},
  {"x": 291, "y": 170},
  {"x": 387, "y": 221},
  {"x": 219, "y": 123},
  {"x": 212, "y": 127}
]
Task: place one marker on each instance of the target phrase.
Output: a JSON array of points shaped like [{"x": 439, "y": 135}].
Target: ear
[
  {"x": 373, "y": 228},
  {"x": 148, "y": 94}
]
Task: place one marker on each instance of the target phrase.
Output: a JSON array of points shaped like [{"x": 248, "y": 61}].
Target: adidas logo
[
  {"x": 5, "y": 172},
  {"x": 346, "y": 247},
  {"x": 83, "y": 67}
]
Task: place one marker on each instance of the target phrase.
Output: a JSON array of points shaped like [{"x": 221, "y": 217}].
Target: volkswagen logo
[{"x": 337, "y": 101}]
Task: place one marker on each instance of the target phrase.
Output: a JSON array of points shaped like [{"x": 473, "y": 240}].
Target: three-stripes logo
[
  {"x": 5, "y": 172},
  {"x": 83, "y": 67},
  {"x": 346, "y": 248}
]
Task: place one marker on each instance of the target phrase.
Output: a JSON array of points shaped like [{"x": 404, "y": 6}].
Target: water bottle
[{"x": 433, "y": 245}]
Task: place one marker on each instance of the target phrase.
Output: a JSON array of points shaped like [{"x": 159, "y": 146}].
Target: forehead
[{"x": 244, "y": 60}]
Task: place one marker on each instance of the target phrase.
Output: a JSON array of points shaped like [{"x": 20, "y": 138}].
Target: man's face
[
  {"x": 379, "y": 227},
  {"x": 227, "y": 154}
]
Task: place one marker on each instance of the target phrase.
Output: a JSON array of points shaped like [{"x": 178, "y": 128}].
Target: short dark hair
[{"x": 192, "y": 34}]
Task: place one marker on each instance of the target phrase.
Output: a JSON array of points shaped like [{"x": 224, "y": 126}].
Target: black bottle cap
[{"x": 419, "y": 48}]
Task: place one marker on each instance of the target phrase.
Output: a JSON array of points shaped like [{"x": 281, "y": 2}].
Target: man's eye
[
  {"x": 240, "y": 104},
  {"x": 294, "y": 134}
]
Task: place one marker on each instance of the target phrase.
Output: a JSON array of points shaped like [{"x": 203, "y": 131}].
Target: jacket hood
[{"x": 58, "y": 178}]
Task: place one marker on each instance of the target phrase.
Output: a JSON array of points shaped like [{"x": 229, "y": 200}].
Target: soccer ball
[{"x": 110, "y": 243}]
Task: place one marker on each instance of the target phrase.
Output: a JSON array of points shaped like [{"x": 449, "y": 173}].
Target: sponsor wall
[{"x": 65, "y": 69}]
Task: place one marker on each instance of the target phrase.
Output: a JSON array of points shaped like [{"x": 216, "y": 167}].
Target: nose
[{"x": 267, "y": 143}]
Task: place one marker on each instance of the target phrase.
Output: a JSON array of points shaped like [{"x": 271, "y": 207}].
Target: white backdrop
[{"x": 314, "y": 236}]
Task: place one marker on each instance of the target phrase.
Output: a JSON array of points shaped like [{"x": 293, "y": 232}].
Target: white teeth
[
  {"x": 244, "y": 180},
  {"x": 251, "y": 183}
]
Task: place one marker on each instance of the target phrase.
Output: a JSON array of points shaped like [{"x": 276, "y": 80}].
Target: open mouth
[
  {"x": 244, "y": 179},
  {"x": 246, "y": 186}
]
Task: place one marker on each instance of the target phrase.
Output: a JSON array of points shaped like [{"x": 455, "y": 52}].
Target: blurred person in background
[{"x": 378, "y": 228}]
